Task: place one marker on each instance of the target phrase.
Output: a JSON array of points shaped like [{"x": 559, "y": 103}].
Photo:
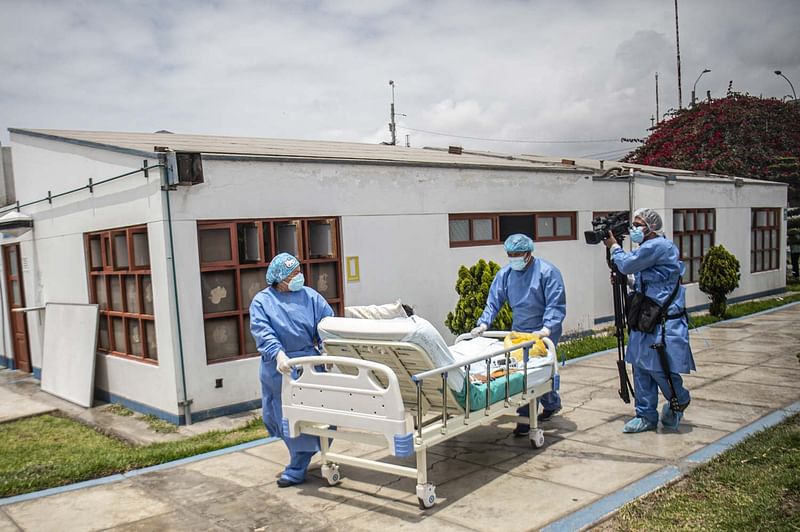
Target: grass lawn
[
  {"x": 47, "y": 451},
  {"x": 753, "y": 486}
]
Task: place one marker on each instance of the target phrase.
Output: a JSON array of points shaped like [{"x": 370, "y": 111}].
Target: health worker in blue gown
[
  {"x": 655, "y": 265},
  {"x": 283, "y": 322},
  {"x": 535, "y": 292}
]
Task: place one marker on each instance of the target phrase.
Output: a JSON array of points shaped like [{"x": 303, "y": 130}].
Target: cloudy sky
[{"x": 515, "y": 76}]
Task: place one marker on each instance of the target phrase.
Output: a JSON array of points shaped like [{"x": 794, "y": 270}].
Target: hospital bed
[{"x": 380, "y": 390}]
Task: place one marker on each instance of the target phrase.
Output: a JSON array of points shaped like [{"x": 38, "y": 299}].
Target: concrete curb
[
  {"x": 609, "y": 505},
  {"x": 130, "y": 474}
]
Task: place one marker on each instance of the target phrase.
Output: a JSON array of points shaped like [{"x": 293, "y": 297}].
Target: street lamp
[
  {"x": 705, "y": 71},
  {"x": 779, "y": 73}
]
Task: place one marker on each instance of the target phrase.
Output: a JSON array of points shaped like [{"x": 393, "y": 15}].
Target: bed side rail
[{"x": 356, "y": 401}]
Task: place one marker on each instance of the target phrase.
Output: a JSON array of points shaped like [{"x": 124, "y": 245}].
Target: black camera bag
[{"x": 644, "y": 314}]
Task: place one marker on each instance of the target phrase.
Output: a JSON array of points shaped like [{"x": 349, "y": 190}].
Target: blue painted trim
[
  {"x": 37, "y": 373},
  {"x": 726, "y": 442},
  {"x": 609, "y": 504},
  {"x": 705, "y": 306},
  {"x": 198, "y": 457},
  {"x": 7, "y": 362},
  {"x": 175, "y": 419},
  {"x": 61, "y": 489},
  {"x": 404, "y": 444},
  {"x": 226, "y": 410},
  {"x": 136, "y": 406},
  {"x": 134, "y": 473}
]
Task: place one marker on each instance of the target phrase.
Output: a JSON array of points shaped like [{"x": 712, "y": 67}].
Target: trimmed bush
[
  {"x": 719, "y": 276},
  {"x": 472, "y": 288}
]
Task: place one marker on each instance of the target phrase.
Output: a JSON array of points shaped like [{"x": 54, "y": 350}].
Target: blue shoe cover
[
  {"x": 638, "y": 424},
  {"x": 669, "y": 418}
]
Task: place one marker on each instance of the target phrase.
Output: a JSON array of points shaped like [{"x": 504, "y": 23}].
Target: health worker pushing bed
[{"x": 283, "y": 321}]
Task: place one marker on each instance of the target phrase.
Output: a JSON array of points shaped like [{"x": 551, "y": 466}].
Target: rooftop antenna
[
  {"x": 392, "y": 114},
  {"x": 392, "y": 126}
]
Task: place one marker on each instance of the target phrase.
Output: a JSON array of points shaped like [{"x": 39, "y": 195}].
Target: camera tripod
[{"x": 619, "y": 289}]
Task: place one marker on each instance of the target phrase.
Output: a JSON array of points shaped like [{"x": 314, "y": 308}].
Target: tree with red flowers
[{"x": 739, "y": 135}]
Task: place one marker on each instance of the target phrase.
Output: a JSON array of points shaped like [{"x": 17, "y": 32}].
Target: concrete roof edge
[{"x": 79, "y": 142}]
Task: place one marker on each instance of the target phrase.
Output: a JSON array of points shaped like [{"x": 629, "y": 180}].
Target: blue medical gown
[
  {"x": 285, "y": 321},
  {"x": 656, "y": 262},
  {"x": 536, "y": 296},
  {"x": 537, "y": 299}
]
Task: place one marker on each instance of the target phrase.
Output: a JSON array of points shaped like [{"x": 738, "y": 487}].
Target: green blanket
[{"x": 497, "y": 392}]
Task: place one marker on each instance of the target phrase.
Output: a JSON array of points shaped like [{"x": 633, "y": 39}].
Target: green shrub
[
  {"x": 719, "y": 276},
  {"x": 472, "y": 288}
]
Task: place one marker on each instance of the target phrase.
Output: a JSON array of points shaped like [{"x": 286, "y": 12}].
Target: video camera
[{"x": 616, "y": 222}]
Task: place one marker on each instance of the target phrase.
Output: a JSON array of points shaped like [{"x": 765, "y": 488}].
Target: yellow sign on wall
[{"x": 353, "y": 273}]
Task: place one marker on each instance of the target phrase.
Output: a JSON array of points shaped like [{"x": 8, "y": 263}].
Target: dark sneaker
[
  {"x": 285, "y": 482},
  {"x": 547, "y": 414},
  {"x": 521, "y": 430}
]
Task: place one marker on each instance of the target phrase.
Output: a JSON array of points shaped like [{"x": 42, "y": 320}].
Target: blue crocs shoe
[
  {"x": 669, "y": 418},
  {"x": 638, "y": 424}
]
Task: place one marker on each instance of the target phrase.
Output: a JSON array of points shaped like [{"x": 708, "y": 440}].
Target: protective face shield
[{"x": 297, "y": 282}]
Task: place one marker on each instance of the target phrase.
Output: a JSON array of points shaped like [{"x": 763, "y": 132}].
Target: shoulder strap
[{"x": 671, "y": 297}]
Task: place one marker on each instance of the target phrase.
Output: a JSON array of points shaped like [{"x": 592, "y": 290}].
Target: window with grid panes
[
  {"x": 492, "y": 229},
  {"x": 121, "y": 286},
  {"x": 693, "y": 233},
  {"x": 764, "y": 239},
  {"x": 234, "y": 256}
]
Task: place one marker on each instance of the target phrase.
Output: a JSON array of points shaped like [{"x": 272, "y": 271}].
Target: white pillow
[{"x": 376, "y": 312}]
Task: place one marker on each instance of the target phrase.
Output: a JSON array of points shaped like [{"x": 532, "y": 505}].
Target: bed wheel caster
[
  {"x": 537, "y": 439},
  {"x": 331, "y": 474},
  {"x": 426, "y": 496}
]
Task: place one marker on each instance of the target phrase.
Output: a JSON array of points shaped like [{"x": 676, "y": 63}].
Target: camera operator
[{"x": 657, "y": 271}]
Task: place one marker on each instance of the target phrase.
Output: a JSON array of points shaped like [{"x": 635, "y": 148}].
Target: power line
[
  {"x": 607, "y": 153},
  {"x": 511, "y": 140}
]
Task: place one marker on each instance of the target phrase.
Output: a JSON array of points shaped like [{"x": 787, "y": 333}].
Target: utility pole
[
  {"x": 678, "y": 48},
  {"x": 657, "y": 114},
  {"x": 392, "y": 125}
]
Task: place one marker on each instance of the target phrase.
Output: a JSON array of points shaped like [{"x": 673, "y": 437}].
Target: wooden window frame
[
  {"x": 471, "y": 240},
  {"x": 572, "y": 215},
  {"x": 495, "y": 218},
  {"x": 268, "y": 235},
  {"x": 104, "y": 273},
  {"x": 677, "y": 239},
  {"x": 765, "y": 230}
]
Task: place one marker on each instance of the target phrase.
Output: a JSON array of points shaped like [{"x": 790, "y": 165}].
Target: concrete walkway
[{"x": 487, "y": 479}]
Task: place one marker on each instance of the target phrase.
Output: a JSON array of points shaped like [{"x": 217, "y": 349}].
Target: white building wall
[
  {"x": 394, "y": 218},
  {"x": 732, "y": 204},
  {"x": 55, "y": 249}
]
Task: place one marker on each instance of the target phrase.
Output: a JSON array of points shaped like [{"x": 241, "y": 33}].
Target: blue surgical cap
[
  {"x": 519, "y": 243},
  {"x": 280, "y": 267}
]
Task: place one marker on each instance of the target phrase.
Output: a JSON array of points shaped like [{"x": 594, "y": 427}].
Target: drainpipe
[{"x": 186, "y": 403}]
